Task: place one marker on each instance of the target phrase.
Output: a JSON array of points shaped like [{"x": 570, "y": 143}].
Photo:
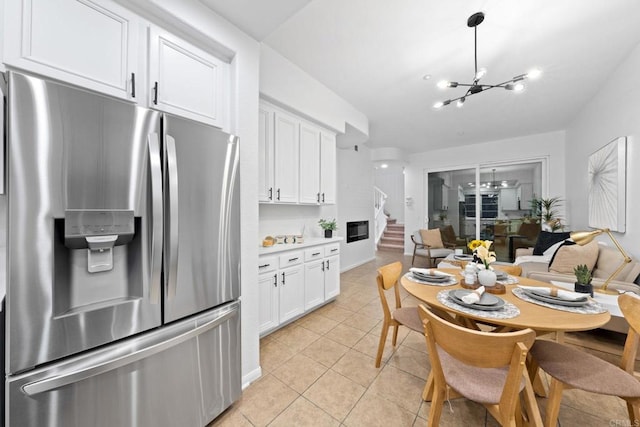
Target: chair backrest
[
  {"x": 530, "y": 230},
  {"x": 630, "y": 307},
  {"x": 388, "y": 276},
  {"x": 448, "y": 234},
  {"x": 479, "y": 349}
]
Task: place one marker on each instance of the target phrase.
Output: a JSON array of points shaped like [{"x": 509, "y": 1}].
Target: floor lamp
[{"x": 583, "y": 237}]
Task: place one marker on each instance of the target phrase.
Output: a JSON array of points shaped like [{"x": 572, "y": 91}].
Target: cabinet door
[
  {"x": 268, "y": 311},
  {"x": 265, "y": 155},
  {"x": 89, "y": 43},
  {"x": 309, "y": 164},
  {"x": 187, "y": 81},
  {"x": 508, "y": 199},
  {"x": 286, "y": 144},
  {"x": 291, "y": 283},
  {"x": 331, "y": 277},
  {"x": 328, "y": 169},
  {"x": 313, "y": 284}
]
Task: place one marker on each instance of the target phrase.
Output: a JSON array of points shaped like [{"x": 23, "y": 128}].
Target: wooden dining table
[{"x": 539, "y": 318}]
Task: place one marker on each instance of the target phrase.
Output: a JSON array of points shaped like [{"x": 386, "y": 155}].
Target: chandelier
[{"x": 515, "y": 84}]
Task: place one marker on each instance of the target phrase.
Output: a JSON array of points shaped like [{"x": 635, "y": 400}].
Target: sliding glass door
[{"x": 489, "y": 202}]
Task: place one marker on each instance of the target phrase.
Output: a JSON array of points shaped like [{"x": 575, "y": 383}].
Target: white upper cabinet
[
  {"x": 90, "y": 43},
  {"x": 328, "y": 169},
  {"x": 187, "y": 81},
  {"x": 309, "y": 164},
  {"x": 265, "y": 154},
  {"x": 287, "y": 144}
]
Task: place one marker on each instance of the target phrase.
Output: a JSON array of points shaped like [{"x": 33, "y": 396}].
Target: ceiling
[{"x": 374, "y": 54}]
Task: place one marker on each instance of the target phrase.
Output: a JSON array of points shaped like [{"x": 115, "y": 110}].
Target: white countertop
[{"x": 308, "y": 242}]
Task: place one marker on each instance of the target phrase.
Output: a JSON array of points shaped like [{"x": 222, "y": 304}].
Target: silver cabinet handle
[
  {"x": 275, "y": 280},
  {"x": 293, "y": 259},
  {"x": 327, "y": 264},
  {"x": 264, "y": 265},
  {"x": 283, "y": 276},
  {"x": 153, "y": 144},
  {"x": 171, "y": 258},
  {"x": 103, "y": 366},
  {"x": 333, "y": 250},
  {"x": 315, "y": 254}
]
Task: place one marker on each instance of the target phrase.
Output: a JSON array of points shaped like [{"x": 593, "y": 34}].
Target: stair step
[
  {"x": 390, "y": 248},
  {"x": 395, "y": 226},
  {"x": 391, "y": 221},
  {"x": 394, "y": 233},
  {"x": 392, "y": 240}
]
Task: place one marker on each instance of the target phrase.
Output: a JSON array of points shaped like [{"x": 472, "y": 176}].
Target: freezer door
[
  {"x": 85, "y": 221},
  {"x": 202, "y": 218},
  {"x": 184, "y": 374}
]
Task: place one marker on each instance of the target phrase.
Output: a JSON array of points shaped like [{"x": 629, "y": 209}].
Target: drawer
[
  {"x": 267, "y": 264},
  {"x": 291, "y": 258},
  {"x": 314, "y": 253},
  {"x": 332, "y": 249}
]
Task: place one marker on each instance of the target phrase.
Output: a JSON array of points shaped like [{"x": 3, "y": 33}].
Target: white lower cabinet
[{"x": 292, "y": 283}]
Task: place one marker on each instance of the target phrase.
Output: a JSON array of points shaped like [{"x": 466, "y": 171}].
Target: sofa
[{"x": 607, "y": 260}]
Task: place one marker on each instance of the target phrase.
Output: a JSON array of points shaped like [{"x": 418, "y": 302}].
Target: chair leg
[
  {"x": 427, "y": 393},
  {"x": 553, "y": 403},
  {"x": 395, "y": 335},
  {"x": 436, "y": 407},
  {"x": 383, "y": 339},
  {"x": 633, "y": 406},
  {"x": 531, "y": 405},
  {"x": 413, "y": 258}
]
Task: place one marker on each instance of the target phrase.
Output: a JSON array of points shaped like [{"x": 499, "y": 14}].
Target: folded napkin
[
  {"x": 473, "y": 296},
  {"x": 429, "y": 272},
  {"x": 558, "y": 293}
]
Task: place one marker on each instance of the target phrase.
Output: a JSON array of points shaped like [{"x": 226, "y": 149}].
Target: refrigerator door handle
[
  {"x": 172, "y": 220},
  {"x": 51, "y": 383},
  {"x": 153, "y": 143}
]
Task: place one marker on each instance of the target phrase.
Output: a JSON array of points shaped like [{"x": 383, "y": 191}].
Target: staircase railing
[{"x": 379, "y": 200}]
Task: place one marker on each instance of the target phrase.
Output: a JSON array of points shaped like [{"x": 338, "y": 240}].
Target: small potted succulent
[
  {"x": 583, "y": 279},
  {"x": 328, "y": 227}
]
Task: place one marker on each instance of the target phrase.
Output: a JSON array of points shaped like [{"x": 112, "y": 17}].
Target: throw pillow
[
  {"x": 432, "y": 238},
  {"x": 561, "y": 244},
  {"x": 546, "y": 239},
  {"x": 569, "y": 256}
]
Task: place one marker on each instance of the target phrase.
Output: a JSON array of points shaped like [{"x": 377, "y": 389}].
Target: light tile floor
[{"x": 319, "y": 371}]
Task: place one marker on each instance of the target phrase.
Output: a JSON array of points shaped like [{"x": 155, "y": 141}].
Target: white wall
[
  {"x": 614, "y": 111},
  {"x": 355, "y": 203},
  {"x": 391, "y": 181},
  {"x": 194, "y": 19},
  {"x": 546, "y": 145}
]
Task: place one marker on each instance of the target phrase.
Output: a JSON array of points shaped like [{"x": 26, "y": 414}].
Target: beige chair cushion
[
  {"x": 409, "y": 317},
  {"x": 567, "y": 257},
  {"x": 609, "y": 259},
  {"x": 432, "y": 238}
]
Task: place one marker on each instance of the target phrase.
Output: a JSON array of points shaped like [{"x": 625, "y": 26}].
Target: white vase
[{"x": 487, "y": 278}]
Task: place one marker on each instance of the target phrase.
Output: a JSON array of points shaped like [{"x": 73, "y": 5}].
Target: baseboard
[
  {"x": 342, "y": 270},
  {"x": 251, "y": 377}
]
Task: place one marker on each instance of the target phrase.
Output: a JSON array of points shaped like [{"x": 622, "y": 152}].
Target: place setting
[
  {"x": 559, "y": 299},
  {"x": 431, "y": 276},
  {"x": 478, "y": 302}
]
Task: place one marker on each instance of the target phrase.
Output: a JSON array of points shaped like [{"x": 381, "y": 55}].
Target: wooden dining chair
[
  {"x": 388, "y": 276},
  {"x": 486, "y": 367},
  {"x": 573, "y": 368}
]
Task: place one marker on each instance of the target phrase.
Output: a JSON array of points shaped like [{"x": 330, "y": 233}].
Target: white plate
[{"x": 485, "y": 299}]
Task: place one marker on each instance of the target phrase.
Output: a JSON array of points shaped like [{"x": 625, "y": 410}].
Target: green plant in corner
[
  {"x": 583, "y": 274},
  {"x": 550, "y": 214},
  {"x": 328, "y": 225}
]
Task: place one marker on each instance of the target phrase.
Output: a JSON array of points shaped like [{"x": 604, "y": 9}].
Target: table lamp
[{"x": 583, "y": 237}]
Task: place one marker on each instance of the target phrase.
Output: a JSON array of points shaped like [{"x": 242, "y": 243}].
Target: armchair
[
  {"x": 450, "y": 240},
  {"x": 432, "y": 247}
]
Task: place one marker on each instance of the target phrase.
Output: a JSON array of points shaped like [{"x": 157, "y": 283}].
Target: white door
[
  {"x": 187, "y": 81},
  {"x": 328, "y": 169},
  {"x": 331, "y": 277},
  {"x": 291, "y": 283},
  {"x": 309, "y": 164},
  {"x": 313, "y": 284},
  {"x": 268, "y": 300},
  {"x": 87, "y": 43},
  {"x": 286, "y": 158},
  {"x": 265, "y": 155}
]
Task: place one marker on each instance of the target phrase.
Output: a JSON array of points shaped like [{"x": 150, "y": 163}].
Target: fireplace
[{"x": 357, "y": 230}]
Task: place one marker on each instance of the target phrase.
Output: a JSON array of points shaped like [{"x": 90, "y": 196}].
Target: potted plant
[
  {"x": 583, "y": 279},
  {"x": 328, "y": 227}
]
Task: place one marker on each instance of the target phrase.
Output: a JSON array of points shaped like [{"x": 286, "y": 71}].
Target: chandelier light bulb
[
  {"x": 534, "y": 73},
  {"x": 518, "y": 87},
  {"x": 438, "y": 104},
  {"x": 443, "y": 84},
  {"x": 481, "y": 73},
  {"x": 460, "y": 102}
]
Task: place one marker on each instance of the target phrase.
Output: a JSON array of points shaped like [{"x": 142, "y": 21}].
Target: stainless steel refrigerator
[{"x": 122, "y": 278}]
